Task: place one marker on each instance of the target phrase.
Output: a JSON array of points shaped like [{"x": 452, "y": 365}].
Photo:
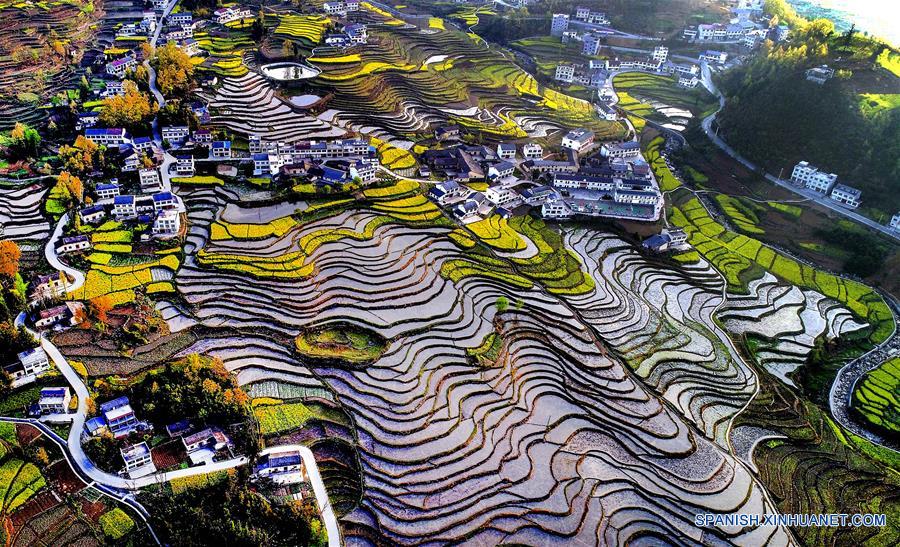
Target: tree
[
  {"x": 71, "y": 186},
  {"x": 41, "y": 456},
  {"x": 133, "y": 110},
  {"x": 82, "y": 157},
  {"x": 848, "y": 36},
  {"x": 502, "y": 304},
  {"x": 9, "y": 259},
  {"x": 100, "y": 307},
  {"x": 174, "y": 70},
  {"x": 25, "y": 141}
]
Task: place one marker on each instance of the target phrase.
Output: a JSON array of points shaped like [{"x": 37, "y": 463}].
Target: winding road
[{"x": 815, "y": 197}]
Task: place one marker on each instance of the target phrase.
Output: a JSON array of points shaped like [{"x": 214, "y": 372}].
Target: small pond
[{"x": 289, "y": 71}]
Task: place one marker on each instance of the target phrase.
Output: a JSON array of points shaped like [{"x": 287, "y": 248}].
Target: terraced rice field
[
  {"x": 397, "y": 87},
  {"x": 478, "y": 416},
  {"x": 20, "y": 213},
  {"x": 247, "y": 104},
  {"x": 876, "y": 396}
]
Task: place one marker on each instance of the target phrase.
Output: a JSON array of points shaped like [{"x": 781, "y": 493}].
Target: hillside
[
  {"x": 40, "y": 45},
  {"x": 849, "y": 126}
]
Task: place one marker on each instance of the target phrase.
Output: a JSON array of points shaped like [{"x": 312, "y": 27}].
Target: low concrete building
[
  {"x": 138, "y": 460},
  {"x": 54, "y": 400},
  {"x": 846, "y": 195}
]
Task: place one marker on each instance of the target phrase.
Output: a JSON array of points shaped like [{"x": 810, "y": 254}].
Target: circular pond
[{"x": 289, "y": 71}]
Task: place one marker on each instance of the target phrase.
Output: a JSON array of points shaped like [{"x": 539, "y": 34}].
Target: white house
[
  {"x": 107, "y": 191},
  {"x": 335, "y": 8},
  {"x": 506, "y": 151},
  {"x": 501, "y": 169},
  {"x": 847, "y": 195},
  {"x": 555, "y": 208},
  {"x": 184, "y": 166},
  {"x": 54, "y": 400},
  {"x": 150, "y": 181},
  {"x": 106, "y": 136},
  {"x": 124, "y": 207},
  {"x": 565, "y": 73},
  {"x": 93, "y": 214},
  {"x": 73, "y": 244},
  {"x": 176, "y": 134},
  {"x": 281, "y": 465},
  {"x": 712, "y": 56},
  {"x": 591, "y": 45},
  {"x": 809, "y": 176},
  {"x": 629, "y": 149},
  {"x": 138, "y": 460},
  {"x": 532, "y": 151},
  {"x": 164, "y": 200},
  {"x": 502, "y": 196},
  {"x": 446, "y": 192},
  {"x": 895, "y": 222},
  {"x": 578, "y": 140},
  {"x": 34, "y": 361},
  {"x": 221, "y": 150},
  {"x": 168, "y": 222},
  {"x": 119, "y": 67}
]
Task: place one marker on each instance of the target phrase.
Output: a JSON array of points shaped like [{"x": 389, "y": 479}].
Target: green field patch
[
  {"x": 342, "y": 342},
  {"x": 876, "y": 397}
]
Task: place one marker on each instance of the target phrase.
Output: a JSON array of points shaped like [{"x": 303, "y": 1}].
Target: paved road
[
  {"x": 53, "y": 258},
  {"x": 816, "y": 197},
  {"x": 312, "y": 469},
  {"x": 840, "y": 396},
  {"x": 126, "y": 498}
]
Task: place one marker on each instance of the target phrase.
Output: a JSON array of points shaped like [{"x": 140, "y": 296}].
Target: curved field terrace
[{"x": 570, "y": 431}]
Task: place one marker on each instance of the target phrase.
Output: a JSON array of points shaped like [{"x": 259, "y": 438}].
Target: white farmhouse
[{"x": 810, "y": 177}]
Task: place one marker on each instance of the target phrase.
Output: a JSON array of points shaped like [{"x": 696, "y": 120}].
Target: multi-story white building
[
  {"x": 150, "y": 181},
  {"x": 138, "y": 460},
  {"x": 168, "y": 222},
  {"x": 107, "y": 191},
  {"x": 506, "y": 151},
  {"x": 220, "y": 150},
  {"x": 711, "y": 56},
  {"x": 559, "y": 24},
  {"x": 54, "y": 400},
  {"x": 124, "y": 207},
  {"x": 34, "y": 361},
  {"x": 810, "y": 177},
  {"x": 184, "y": 166},
  {"x": 176, "y": 134},
  {"x": 119, "y": 67},
  {"x": 591, "y": 44},
  {"x": 578, "y": 139},
  {"x": 660, "y": 53},
  {"x": 565, "y": 73},
  {"x": 532, "y": 151},
  {"x": 847, "y": 195},
  {"x": 555, "y": 208}
]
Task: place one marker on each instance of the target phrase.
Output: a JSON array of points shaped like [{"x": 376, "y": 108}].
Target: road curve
[
  {"x": 809, "y": 194},
  {"x": 312, "y": 469},
  {"x": 53, "y": 258}
]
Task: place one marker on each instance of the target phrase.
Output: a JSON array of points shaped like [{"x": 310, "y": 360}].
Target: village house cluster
[
  {"x": 323, "y": 162},
  {"x": 810, "y": 177},
  {"x": 749, "y": 26},
  {"x": 615, "y": 182}
]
